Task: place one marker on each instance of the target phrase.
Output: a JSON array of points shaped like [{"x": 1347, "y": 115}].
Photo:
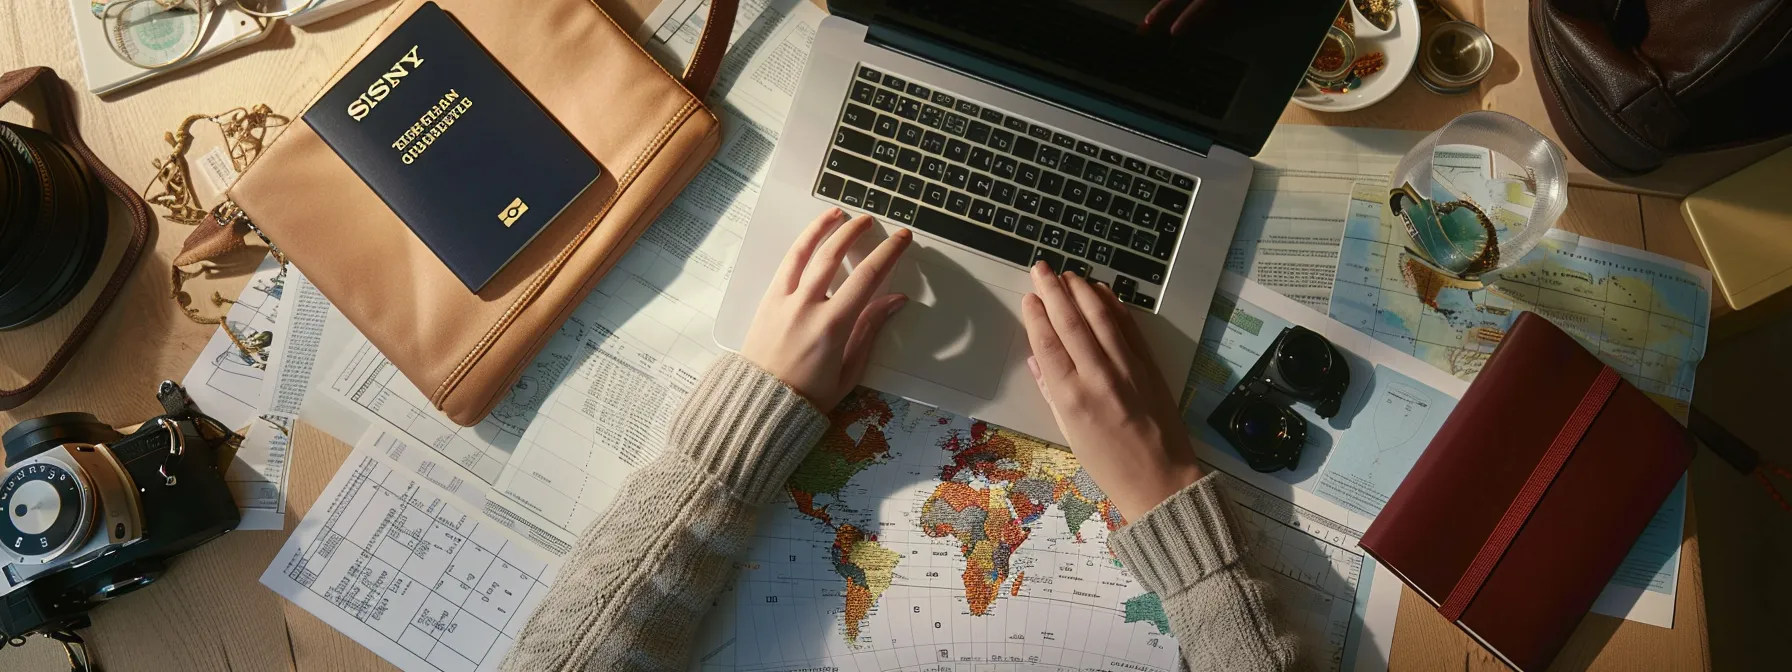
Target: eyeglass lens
[{"x": 149, "y": 34}]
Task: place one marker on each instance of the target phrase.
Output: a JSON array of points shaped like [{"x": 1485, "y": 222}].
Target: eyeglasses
[
  {"x": 1257, "y": 418},
  {"x": 159, "y": 33}
]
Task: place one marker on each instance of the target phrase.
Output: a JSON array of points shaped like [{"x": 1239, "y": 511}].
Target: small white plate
[{"x": 1401, "y": 48}]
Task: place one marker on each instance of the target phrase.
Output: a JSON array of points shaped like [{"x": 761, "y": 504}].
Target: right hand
[{"x": 1093, "y": 366}]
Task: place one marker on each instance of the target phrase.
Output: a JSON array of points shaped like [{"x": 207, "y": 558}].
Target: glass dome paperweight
[{"x": 1477, "y": 195}]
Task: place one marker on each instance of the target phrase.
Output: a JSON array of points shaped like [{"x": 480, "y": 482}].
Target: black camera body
[
  {"x": 1256, "y": 417},
  {"x": 91, "y": 514}
]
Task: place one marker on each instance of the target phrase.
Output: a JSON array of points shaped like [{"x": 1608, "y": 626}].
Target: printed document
[
  {"x": 1305, "y": 184},
  {"x": 298, "y": 339},
  {"x": 407, "y": 569},
  {"x": 226, "y": 380}
]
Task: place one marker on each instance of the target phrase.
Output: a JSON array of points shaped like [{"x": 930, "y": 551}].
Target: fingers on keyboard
[{"x": 1008, "y": 187}]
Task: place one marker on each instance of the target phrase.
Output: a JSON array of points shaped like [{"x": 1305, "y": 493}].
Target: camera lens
[
  {"x": 1303, "y": 359},
  {"x": 1261, "y": 426},
  {"x": 34, "y": 436},
  {"x": 1270, "y": 438},
  {"x": 52, "y": 225}
]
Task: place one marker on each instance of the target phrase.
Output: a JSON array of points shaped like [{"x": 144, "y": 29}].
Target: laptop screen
[{"x": 1222, "y": 69}]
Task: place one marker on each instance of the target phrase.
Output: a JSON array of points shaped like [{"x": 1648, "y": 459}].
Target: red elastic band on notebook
[{"x": 1530, "y": 494}]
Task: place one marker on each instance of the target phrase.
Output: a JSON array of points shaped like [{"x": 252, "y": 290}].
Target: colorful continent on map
[
  {"x": 999, "y": 484},
  {"x": 865, "y": 565},
  {"x": 867, "y": 568}
]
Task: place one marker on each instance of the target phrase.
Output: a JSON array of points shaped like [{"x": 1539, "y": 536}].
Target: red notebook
[{"x": 1531, "y": 494}]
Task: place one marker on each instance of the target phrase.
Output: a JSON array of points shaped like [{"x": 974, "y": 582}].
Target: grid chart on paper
[{"x": 429, "y": 578}]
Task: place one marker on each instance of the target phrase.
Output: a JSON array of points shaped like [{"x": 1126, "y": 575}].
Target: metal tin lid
[{"x": 1454, "y": 57}]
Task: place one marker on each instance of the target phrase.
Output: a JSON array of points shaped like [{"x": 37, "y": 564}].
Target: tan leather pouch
[{"x": 647, "y": 128}]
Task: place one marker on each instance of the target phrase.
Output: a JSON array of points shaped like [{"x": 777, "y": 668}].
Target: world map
[{"x": 914, "y": 538}]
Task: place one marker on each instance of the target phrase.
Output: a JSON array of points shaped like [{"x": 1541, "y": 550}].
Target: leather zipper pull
[{"x": 230, "y": 216}]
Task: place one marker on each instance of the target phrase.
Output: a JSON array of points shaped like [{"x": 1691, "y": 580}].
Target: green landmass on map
[{"x": 1148, "y": 608}]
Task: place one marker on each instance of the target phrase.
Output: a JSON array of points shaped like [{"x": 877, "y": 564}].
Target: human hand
[
  {"x": 819, "y": 344},
  {"x": 1191, "y": 9},
  {"x": 1095, "y": 371}
]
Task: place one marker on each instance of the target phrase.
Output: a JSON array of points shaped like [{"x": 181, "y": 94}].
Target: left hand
[{"x": 816, "y": 343}]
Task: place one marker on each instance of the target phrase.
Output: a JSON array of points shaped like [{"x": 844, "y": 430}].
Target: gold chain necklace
[
  {"x": 245, "y": 132},
  {"x": 245, "y": 136}
]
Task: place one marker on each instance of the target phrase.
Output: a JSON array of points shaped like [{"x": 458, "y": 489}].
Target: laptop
[{"x": 1004, "y": 132}]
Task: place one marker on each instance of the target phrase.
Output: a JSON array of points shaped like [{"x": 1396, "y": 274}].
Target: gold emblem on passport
[{"x": 513, "y": 212}]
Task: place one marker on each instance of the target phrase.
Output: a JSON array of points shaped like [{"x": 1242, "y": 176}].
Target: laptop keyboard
[{"x": 1004, "y": 185}]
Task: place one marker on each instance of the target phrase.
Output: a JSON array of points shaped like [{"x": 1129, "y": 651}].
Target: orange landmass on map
[
  {"x": 1019, "y": 472},
  {"x": 805, "y": 504},
  {"x": 1424, "y": 281},
  {"x": 961, "y": 496},
  {"x": 979, "y": 588}
]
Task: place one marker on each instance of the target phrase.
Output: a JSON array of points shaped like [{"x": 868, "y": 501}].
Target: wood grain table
[{"x": 209, "y": 612}]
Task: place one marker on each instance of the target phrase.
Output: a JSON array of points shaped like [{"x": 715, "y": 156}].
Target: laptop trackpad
[{"x": 955, "y": 331}]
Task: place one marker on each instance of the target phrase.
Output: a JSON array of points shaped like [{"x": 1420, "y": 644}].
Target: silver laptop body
[{"x": 959, "y": 343}]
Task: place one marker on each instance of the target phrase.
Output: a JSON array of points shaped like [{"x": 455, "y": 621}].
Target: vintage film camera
[
  {"x": 1258, "y": 417},
  {"x": 91, "y": 514}
]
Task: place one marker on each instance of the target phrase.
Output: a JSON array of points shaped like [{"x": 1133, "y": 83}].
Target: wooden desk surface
[{"x": 209, "y": 612}]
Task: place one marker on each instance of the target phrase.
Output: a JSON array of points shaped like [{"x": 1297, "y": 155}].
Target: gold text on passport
[{"x": 382, "y": 87}]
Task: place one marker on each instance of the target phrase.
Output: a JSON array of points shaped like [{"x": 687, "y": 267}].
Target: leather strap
[
  {"x": 1526, "y": 501},
  {"x": 58, "y": 101},
  {"x": 706, "y": 62}
]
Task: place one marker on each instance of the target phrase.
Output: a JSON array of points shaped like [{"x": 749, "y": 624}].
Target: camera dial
[
  {"x": 56, "y": 502},
  {"x": 47, "y": 504}
]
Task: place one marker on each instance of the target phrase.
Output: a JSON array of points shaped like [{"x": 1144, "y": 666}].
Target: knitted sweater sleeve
[
  {"x": 1188, "y": 551},
  {"x": 633, "y": 589}
]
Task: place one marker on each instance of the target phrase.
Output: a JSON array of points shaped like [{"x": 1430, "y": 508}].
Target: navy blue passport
[{"x": 453, "y": 145}]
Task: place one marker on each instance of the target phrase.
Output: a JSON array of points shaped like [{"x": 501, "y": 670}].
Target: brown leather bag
[
  {"x": 59, "y": 106},
  {"x": 1631, "y": 83},
  {"x": 648, "y": 129}
]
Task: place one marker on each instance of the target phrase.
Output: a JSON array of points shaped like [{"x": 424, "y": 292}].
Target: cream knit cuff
[
  {"x": 746, "y": 429},
  {"x": 1180, "y": 541}
]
